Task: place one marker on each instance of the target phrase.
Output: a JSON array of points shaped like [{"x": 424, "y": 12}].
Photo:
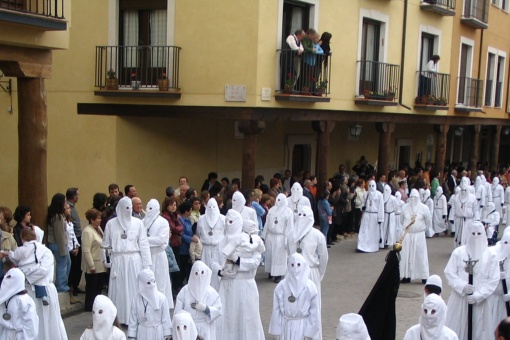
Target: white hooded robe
[
  {"x": 464, "y": 208},
  {"x": 440, "y": 212},
  {"x": 389, "y": 226},
  {"x": 103, "y": 317},
  {"x": 373, "y": 215}
]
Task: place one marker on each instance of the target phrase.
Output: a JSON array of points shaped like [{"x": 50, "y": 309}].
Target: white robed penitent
[
  {"x": 277, "y": 233},
  {"x": 200, "y": 300},
  {"x": 130, "y": 253},
  {"x": 297, "y": 199},
  {"x": 373, "y": 215},
  {"x": 104, "y": 313},
  {"x": 158, "y": 234},
  {"x": 18, "y": 316},
  {"x": 296, "y": 312},
  {"x": 211, "y": 230},
  {"x": 389, "y": 226},
  {"x": 440, "y": 212},
  {"x": 463, "y": 211}
]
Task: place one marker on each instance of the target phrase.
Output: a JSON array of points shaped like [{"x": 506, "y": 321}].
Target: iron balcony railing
[
  {"x": 489, "y": 95},
  {"x": 433, "y": 86},
  {"x": 477, "y": 9},
  {"x": 47, "y": 8},
  {"x": 378, "y": 80},
  {"x": 450, "y": 4},
  {"x": 305, "y": 73},
  {"x": 470, "y": 92},
  {"x": 144, "y": 64}
]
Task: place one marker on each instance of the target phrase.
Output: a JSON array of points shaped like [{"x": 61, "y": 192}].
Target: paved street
[{"x": 349, "y": 278}]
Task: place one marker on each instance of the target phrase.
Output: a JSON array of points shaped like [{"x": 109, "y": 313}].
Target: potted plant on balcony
[
  {"x": 320, "y": 87},
  {"x": 431, "y": 100},
  {"x": 442, "y": 101},
  {"x": 389, "y": 95},
  {"x": 309, "y": 81},
  {"x": 289, "y": 83},
  {"x": 135, "y": 84},
  {"x": 163, "y": 82},
  {"x": 112, "y": 83}
]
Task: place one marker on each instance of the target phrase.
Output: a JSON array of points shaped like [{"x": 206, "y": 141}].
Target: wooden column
[
  {"x": 442, "y": 138},
  {"x": 495, "y": 148},
  {"x": 250, "y": 129},
  {"x": 385, "y": 131},
  {"x": 32, "y": 155},
  {"x": 323, "y": 129},
  {"x": 475, "y": 150}
]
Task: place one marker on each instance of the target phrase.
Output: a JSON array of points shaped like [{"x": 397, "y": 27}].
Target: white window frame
[
  {"x": 469, "y": 42},
  {"x": 506, "y": 7},
  {"x": 113, "y": 22},
  {"x": 384, "y": 19},
  {"x": 496, "y": 4},
  {"x": 437, "y": 33},
  {"x": 497, "y": 54}
]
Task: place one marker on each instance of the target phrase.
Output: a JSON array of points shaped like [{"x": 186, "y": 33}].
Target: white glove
[
  {"x": 107, "y": 264},
  {"x": 468, "y": 289},
  {"x": 506, "y": 297},
  {"x": 227, "y": 274},
  {"x": 201, "y": 307},
  {"x": 233, "y": 257},
  {"x": 471, "y": 299}
]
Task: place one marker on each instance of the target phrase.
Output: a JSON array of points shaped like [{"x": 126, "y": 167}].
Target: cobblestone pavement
[{"x": 349, "y": 278}]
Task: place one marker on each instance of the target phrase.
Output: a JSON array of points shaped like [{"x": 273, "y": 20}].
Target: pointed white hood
[
  {"x": 495, "y": 182},
  {"x": 352, "y": 327},
  {"x": 296, "y": 192},
  {"x": 421, "y": 192},
  {"x": 151, "y": 213},
  {"x": 476, "y": 242},
  {"x": 13, "y": 283},
  {"x": 439, "y": 192},
  {"x": 426, "y": 195},
  {"x": 478, "y": 182},
  {"x": 104, "y": 313},
  {"x": 212, "y": 213},
  {"x": 147, "y": 287},
  {"x": 233, "y": 224},
  {"x": 372, "y": 187},
  {"x": 304, "y": 222},
  {"x": 199, "y": 280},
  {"x": 398, "y": 196},
  {"x": 124, "y": 212},
  {"x": 280, "y": 204},
  {"x": 184, "y": 327},
  {"x": 433, "y": 317},
  {"x": 504, "y": 246},
  {"x": 414, "y": 199},
  {"x": 298, "y": 272},
  {"x": 387, "y": 193},
  {"x": 238, "y": 201}
]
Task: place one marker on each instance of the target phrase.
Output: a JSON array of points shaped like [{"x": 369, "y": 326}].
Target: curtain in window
[
  {"x": 131, "y": 38},
  {"x": 158, "y": 38},
  {"x": 297, "y": 20}
]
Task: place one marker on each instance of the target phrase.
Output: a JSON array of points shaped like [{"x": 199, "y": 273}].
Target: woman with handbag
[{"x": 169, "y": 212}]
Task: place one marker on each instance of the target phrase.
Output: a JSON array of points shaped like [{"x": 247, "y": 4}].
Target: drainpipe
[
  {"x": 480, "y": 61},
  {"x": 403, "y": 56}
]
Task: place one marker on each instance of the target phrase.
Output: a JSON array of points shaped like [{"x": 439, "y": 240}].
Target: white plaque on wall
[
  {"x": 266, "y": 93},
  {"x": 235, "y": 93}
]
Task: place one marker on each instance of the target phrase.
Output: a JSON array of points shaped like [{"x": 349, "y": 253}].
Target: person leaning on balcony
[
  {"x": 426, "y": 77},
  {"x": 292, "y": 62}
]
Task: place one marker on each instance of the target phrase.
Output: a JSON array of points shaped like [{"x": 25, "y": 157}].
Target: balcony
[
  {"x": 440, "y": 7},
  {"x": 476, "y": 13},
  {"x": 469, "y": 96},
  {"x": 433, "y": 91},
  {"x": 137, "y": 71},
  {"x": 40, "y": 14},
  {"x": 378, "y": 83},
  {"x": 303, "y": 78},
  {"x": 489, "y": 95}
]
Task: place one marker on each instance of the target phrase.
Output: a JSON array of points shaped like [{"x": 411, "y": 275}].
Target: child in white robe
[
  {"x": 19, "y": 319},
  {"x": 150, "y": 314},
  {"x": 104, "y": 314},
  {"x": 295, "y": 303},
  {"x": 184, "y": 327}
]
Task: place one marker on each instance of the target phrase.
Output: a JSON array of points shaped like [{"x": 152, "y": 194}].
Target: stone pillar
[
  {"x": 32, "y": 155},
  {"x": 475, "y": 150},
  {"x": 496, "y": 138},
  {"x": 385, "y": 131},
  {"x": 442, "y": 138},
  {"x": 250, "y": 129},
  {"x": 323, "y": 129}
]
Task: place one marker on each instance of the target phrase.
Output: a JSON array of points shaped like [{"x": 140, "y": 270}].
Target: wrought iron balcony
[
  {"x": 489, "y": 88},
  {"x": 43, "y": 14},
  {"x": 378, "y": 83},
  {"x": 476, "y": 13},
  {"x": 137, "y": 66},
  {"x": 441, "y": 7},
  {"x": 304, "y": 77},
  {"x": 433, "y": 90},
  {"x": 469, "y": 96}
]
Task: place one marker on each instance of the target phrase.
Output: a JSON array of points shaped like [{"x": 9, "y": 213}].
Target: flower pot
[
  {"x": 442, "y": 103},
  {"x": 112, "y": 84},
  {"x": 306, "y": 90},
  {"x": 424, "y": 99},
  {"x": 390, "y": 98},
  {"x": 288, "y": 89},
  {"x": 135, "y": 84},
  {"x": 163, "y": 84},
  {"x": 319, "y": 92}
]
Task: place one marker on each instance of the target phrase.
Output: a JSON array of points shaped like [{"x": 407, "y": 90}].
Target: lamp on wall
[
  {"x": 355, "y": 131},
  {"x": 506, "y": 131},
  {"x": 459, "y": 131}
]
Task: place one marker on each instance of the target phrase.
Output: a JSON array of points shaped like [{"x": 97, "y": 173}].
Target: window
[
  {"x": 494, "y": 77},
  {"x": 296, "y": 15},
  {"x": 496, "y": 3},
  {"x": 428, "y": 82},
  {"x": 465, "y": 87}
]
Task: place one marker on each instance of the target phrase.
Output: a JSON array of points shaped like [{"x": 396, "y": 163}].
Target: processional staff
[
  {"x": 503, "y": 283},
  {"x": 470, "y": 264}
]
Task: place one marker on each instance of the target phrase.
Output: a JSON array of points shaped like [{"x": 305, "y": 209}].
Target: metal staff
[
  {"x": 503, "y": 283},
  {"x": 470, "y": 264},
  {"x": 398, "y": 245}
]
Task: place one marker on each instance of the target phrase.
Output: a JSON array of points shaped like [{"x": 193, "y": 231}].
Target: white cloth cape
[
  {"x": 462, "y": 212},
  {"x": 211, "y": 242},
  {"x": 369, "y": 233},
  {"x": 128, "y": 257},
  {"x": 440, "y": 210},
  {"x": 148, "y": 322},
  {"x": 277, "y": 234},
  {"x": 389, "y": 226}
]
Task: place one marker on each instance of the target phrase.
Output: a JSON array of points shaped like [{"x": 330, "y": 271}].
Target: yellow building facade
[{"x": 224, "y": 64}]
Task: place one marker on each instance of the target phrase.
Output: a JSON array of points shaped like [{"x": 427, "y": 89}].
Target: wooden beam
[
  {"x": 495, "y": 148},
  {"x": 250, "y": 129},
  {"x": 475, "y": 150},
  {"x": 25, "y": 62},
  {"x": 323, "y": 129},
  {"x": 442, "y": 137},
  {"x": 385, "y": 131},
  {"x": 276, "y": 114}
]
